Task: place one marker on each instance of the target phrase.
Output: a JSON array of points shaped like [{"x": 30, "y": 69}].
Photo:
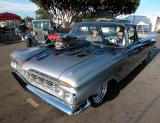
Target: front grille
[
  {"x": 44, "y": 76},
  {"x": 40, "y": 36},
  {"x": 40, "y": 80},
  {"x": 47, "y": 84}
]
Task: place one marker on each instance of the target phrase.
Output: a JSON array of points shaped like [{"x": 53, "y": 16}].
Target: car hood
[{"x": 54, "y": 63}]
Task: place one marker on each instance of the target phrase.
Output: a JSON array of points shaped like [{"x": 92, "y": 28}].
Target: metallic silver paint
[{"x": 85, "y": 74}]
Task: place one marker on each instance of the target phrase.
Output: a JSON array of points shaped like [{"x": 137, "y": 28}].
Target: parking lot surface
[{"x": 137, "y": 100}]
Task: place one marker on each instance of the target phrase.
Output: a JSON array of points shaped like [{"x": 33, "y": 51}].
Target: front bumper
[{"x": 49, "y": 98}]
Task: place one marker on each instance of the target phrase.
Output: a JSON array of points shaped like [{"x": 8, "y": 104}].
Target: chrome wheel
[{"x": 100, "y": 94}]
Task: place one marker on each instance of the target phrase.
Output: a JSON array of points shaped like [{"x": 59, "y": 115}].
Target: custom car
[{"x": 73, "y": 74}]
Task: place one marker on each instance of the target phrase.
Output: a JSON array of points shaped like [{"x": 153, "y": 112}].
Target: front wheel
[{"x": 99, "y": 96}]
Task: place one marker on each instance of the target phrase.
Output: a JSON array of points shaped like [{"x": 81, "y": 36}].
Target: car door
[
  {"x": 132, "y": 53},
  {"x": 137, "y": 49},
  {"x": 147, "y": 47}
]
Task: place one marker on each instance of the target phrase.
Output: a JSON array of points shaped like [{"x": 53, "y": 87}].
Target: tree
[
  {"x": 43, "y": 14},
  {"x": 70, "y": 10},
  {"x": 28, "y": 18}
]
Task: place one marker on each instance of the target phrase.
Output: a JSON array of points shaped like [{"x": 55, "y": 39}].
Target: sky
[
  {"x": 148, "y": 8},
  {"x": 22, "y": 8},
  {"x": 25, "y": 8}
]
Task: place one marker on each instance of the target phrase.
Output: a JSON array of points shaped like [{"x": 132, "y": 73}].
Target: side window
[
  {"x": 132, "y": 34},
  {"x": 83, "y": 31},
  {"x": 127, "y": 40},
  {"x": 109, "y": 31}
]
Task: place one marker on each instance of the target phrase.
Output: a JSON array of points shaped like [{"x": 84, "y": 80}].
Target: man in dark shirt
[
  {"x": 119, "y": 38},
  {"x": 23, "y": 28}
]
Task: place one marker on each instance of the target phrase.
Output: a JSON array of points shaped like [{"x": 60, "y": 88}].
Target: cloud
[{"x": 20, "y": 8}]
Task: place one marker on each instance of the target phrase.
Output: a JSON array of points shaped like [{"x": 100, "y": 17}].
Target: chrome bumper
[{"x": 51, "y": 99}]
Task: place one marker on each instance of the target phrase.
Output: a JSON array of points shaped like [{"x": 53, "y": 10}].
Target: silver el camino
[{"x": 78, "y": 74}]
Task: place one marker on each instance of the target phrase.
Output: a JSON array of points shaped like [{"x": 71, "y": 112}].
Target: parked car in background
[
  {"x": 40, "y": 31},
  {"x": 74, "y": 73},
  {"x": 37, "y": 34}
]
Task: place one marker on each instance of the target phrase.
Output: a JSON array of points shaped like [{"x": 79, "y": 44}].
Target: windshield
[
  {"x": 107, "y": 35},
  {"x": 42, "y": 25}
]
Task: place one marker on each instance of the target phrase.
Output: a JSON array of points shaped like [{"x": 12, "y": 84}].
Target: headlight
[
  {"x": 68, "y": 97},
  {"x": 59, "y": 92},
  {"x": 13, "y": 64}
]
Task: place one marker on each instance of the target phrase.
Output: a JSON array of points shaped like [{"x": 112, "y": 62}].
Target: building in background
[
  {"x": 145, "y": 23},
  {"x": 155, "y": 21}
]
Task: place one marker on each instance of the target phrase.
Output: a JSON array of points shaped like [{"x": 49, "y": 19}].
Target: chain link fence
[{"x": 9, "y": 36}]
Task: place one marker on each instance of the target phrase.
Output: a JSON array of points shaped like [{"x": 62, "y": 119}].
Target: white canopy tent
[
  {"x": 141, "y": 23},
  {"x": 143, "y": 27}
]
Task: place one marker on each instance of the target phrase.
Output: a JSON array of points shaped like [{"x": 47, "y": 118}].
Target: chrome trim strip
[{"x": 50, "y": 99}]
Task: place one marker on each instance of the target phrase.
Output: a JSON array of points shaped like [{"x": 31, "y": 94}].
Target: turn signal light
[{"x": 66, "y": 84}]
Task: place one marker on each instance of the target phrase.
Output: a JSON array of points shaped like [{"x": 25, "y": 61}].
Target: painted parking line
[{"x": 32, "y": 102}]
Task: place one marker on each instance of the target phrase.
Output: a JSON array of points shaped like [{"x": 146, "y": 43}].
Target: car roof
[
  {"x": 100, "y": 23},
  {"x": 103, "y": 23}
]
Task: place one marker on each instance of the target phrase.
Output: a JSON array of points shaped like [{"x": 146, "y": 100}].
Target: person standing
[{"x": 23, "y": 29}]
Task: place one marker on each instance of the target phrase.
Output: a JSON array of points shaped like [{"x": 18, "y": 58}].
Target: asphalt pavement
[{"x": 137, "y": 101}]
